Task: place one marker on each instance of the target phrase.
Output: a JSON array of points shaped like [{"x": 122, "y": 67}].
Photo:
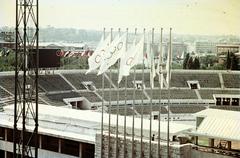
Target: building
[
  {"x": 7, "y": 40},
  {"x": 205, "y": 47},
  {"x": 178, "y": 48},
  {"x": 216, "y": 135},
  {"x": 71, "y": 133},
  {"x": 224, "y": 49}
]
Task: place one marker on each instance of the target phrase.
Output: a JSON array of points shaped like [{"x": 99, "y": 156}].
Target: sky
[{"x": 205, "y": 17}]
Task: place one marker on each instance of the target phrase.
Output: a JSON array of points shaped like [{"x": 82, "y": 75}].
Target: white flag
[
  {"x": 168, "y": 66},
  {"x": 95, "y": 60},
  {"x": 113, "y": 53},
  {"x": 159, "y": 70},
  {"x": 148, "y": 53},
  {"x": 152, "y": 72},
  {"x": 151, "y": 62},
  {"x": 131, "y": 58},
  {"x": 182, "y": 56}
]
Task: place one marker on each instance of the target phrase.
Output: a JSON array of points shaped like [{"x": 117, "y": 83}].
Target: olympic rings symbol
[
  {"x": 120, "y": 45},
  {"x": 116, "y": 48},
  {"x": 129, "y": 61},
  {"x": 97, "y": 59},
  {"x": 113, "y": 51}
]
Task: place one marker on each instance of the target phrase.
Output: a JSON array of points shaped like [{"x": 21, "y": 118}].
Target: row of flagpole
[{"x": 118, "y": 50}]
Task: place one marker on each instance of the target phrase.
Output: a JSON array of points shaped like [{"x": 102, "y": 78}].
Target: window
[
  {"x": 218, "y": 101},
  {"x": 2, "y": 133},
  {"x": 226, "y": 101},
  {"x": 70, "y": 147},
  {"x": 2, "y": 153},
  {"x": 235, "y": 101},
  {"x": 88, "y": 150},
  {"x": 32, "y": 137},
  {"x": 10, "y": 135},
  {"x": 50, "y": 143}
]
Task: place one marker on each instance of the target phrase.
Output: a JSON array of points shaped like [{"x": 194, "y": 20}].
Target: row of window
[
  {"x": 51, "y": 143},
  {"x": 227, "y": 101}
]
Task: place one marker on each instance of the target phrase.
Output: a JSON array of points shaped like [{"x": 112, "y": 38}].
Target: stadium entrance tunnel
[{"x": 79, "y": 103}]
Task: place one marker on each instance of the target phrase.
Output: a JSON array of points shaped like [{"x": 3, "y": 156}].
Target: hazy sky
[{"x": 209, "y": 17}]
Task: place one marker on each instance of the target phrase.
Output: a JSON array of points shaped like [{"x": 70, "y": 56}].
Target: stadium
[
  {"x": 124, "y": 98},
  {"x": 68, "y": 97}
]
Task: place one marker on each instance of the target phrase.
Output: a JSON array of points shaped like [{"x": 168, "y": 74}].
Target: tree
[
  {"x": 228, "y": 62},
  {"x": 7, "y": 61},
  {"x": 234, "y": 62},
  {"x": 218, "y": 66},
  {"x": 207, "y": 61},
  {"x": 190, "y": 63},
  {"x": 196, "y": 63},
  {"x": 186, "y": 61}
]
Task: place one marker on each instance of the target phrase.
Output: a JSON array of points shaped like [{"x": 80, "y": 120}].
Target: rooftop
[
  {"x": 84, "y": 124},
  {"x": 219, "y": 124}
]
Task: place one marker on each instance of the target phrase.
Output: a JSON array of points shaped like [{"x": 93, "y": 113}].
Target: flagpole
[
  {"x": 141, "y": 141},
  {"x": 110, "y": 104},
  {"x": 169, "y": 74},
  {"x": 119, "y": 32},
  {"x": 151, "y": 95},
  {"x": 160, "y": 91},
  {"x": 125, "y": 107},
  {"x": 104, "y": 30},
  {"x": 133, "y": 105}
]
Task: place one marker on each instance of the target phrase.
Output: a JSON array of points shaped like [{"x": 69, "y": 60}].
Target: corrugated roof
[
  {"x": 228, "y": 129},
  {"x": 220, "y": 124},
  {"x": 219, "y": 114}
]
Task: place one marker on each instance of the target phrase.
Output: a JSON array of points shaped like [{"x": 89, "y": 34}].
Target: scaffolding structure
[{"x": 26, "y": 79}]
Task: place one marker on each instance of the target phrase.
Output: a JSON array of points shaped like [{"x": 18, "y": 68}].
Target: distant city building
[
  {"x": 4, "y": 44},
  {"x": 65, "y": 46},
  {"x": 7, "y": 40},
  {"x": 205, "y": 47},
  {"x": 223, "y": 49},
  {"x": 177, "y": 48}
]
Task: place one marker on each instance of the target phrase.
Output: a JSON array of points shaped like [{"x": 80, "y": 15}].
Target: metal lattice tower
[{"x": 25, "y": 133}]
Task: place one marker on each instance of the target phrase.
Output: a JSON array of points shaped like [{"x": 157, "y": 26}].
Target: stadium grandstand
[{"x": 191, "y": 91}]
